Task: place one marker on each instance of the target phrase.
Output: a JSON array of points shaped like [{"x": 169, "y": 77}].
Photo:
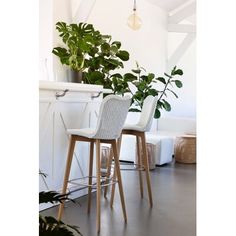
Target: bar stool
[
  {"x": 138, "y": 130},
  {"x": 112, "y": 115}
]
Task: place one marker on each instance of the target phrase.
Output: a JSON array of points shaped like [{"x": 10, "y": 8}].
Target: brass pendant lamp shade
[{"x": 134, "y": 21}]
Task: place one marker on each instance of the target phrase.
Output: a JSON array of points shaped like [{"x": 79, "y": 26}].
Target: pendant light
[{"x": 134, "y": 21}]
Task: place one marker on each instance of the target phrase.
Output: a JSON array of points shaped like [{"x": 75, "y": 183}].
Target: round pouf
[{"x": 185, "y": 149}]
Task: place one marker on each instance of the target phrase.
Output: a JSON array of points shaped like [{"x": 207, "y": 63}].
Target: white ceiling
[
  {"x": 171, "y": 6},
  {"x": 168, "y": 5}
]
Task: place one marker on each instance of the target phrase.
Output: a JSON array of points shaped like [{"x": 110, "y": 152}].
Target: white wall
[
  {"x": 185, "y": 105},
  {"x": 148, "y": 45},
  {"x": 45, "y": 39},
  {"x": 50, "y": 12}
]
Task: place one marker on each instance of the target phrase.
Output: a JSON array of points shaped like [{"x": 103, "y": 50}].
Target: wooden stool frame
[
  {"x": 98, "y": 142},
  {"x": 140, "y": 136}
]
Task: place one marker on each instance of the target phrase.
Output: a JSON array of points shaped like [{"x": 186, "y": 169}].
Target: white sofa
[{"x": 163, "y": 137}]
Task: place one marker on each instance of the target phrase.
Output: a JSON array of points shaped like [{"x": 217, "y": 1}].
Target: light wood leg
[
  {"x": 117, "y": 166},
  {"x": 90, "y": 174},
  {"x": 139, "y": 166},
  {"x": 98, "y": 170},
  {"x": 119, "y": 145},
  {"x": 113, "y": 187},
  {"x": 67, "y": 173},
  {"x": 108, "y": 171},
  {"x": 146, "y": 166},
  {"x": 114, "y": 174}
]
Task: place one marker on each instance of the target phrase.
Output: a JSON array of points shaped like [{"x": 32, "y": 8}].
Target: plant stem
[{"x": 163, "y": 92}]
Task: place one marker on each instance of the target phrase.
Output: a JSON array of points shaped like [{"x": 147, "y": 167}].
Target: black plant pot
[{"x": 75, "y": 76}]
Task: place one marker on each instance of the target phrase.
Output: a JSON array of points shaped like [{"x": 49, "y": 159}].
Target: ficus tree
[{"x": 141, "y": 84}]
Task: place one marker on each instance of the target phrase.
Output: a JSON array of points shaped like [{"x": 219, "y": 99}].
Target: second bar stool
[
  {"x": 112, "y": 115},
  {"x": 139, "y": 130}
]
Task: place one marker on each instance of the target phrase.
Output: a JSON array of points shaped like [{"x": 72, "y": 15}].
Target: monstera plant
[{"x": 88, "y": 51}]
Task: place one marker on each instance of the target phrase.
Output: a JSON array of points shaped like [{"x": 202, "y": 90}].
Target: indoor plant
[
  {"x": 89, "y": 52},
  {"x": 140, "y": 84},
  {"x": 50, "y": 226}
]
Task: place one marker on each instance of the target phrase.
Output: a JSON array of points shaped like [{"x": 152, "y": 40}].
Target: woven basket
[
  {"x": 151, "y": 157},
  {"x": 185, "y": 149}
]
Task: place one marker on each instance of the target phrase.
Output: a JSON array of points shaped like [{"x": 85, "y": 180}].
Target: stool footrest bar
[{"x": 93, "y": 185}]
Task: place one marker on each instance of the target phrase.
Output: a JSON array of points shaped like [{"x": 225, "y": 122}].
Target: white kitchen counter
[
  {"x": 61, "y": 106},
  {"x": 73, "y": 87}
]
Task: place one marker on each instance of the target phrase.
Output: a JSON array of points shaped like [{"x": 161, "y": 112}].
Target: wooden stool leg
[
  {"x": 90, "y": 174},
  {"x": 98, "y": 170},
  {"x": 114, "y": 174},
  {"x": 113, "y": 186},
  {"x": 146, "y": 165},
  {"x": 108, "y": 172},
  {"x": 117, "y": 166},
  {"x": 67, "y": 173},
  {"x": 139, "y": 166}
]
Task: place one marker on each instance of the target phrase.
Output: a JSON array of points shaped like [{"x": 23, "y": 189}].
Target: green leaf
[
  {"x": 129, "y": 77},
  {"x": 117, "y": 43},
  {"x": 136, "y": 71},
  {"x": 52, "y": 197},
  {"x": 143, "y": 69},
  {"x": 134, "y": 110},
  {"x": 49, "y": 226},
  {"x": 161, "y": 79},
  {"x": 123, "y": 55},
  {"x": 105, "y": 48},
  {"x": 153, "y": 92},
  {"x": 151, "y": 76},
  {"x": 177, "y": 72},
  {"x": 157, "y": 114},
  {"x": 144, "y": 78},
  {"x": 166, "y": 105},
  {"x": 96, "y": 75},
  {"x": 117, "y": 75},
  {"x": 141, "y": 86},
  {"x": 138, "y": 95},
  {"x": 178, "y": 83},
  {"x": 58, "y": 51},
  {"x": 114, "y": 49},
  {"x": 173, "y": 93},
  {"x": 113, "y": 63},
  {"x": 160, "y": 104},
  {"x": 93, "y": 51}
]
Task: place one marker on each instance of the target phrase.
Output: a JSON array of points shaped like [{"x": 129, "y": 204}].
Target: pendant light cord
[{"x": 134, "y": 9}]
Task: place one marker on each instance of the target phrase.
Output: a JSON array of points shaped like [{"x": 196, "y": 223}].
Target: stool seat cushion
[
  {"x": 87, "y": 132},
  {"x": 134, "y": 127}
]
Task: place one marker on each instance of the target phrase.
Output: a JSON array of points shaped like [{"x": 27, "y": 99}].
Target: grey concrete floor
[{"x": 173, "y": 212}]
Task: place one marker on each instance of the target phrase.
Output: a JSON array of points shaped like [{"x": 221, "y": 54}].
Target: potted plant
[
  {"x": 88, "y": 52},
  {"x": 50, "y": 226}
]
